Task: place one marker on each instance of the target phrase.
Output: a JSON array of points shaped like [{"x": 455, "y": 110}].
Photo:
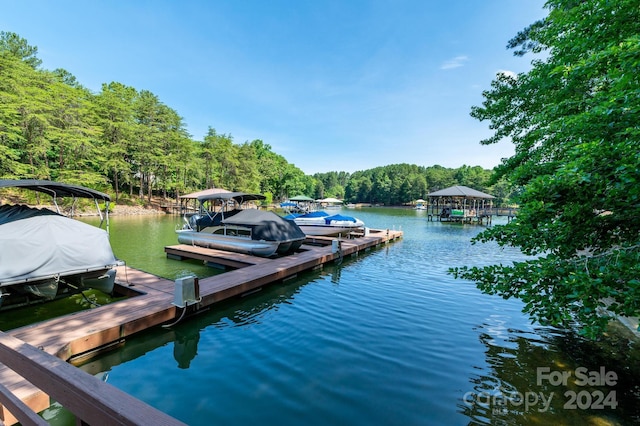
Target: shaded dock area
[{"x": 34, "y": 358}]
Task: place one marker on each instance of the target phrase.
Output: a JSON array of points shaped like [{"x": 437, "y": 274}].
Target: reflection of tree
[{"x": 507, "y": 392}]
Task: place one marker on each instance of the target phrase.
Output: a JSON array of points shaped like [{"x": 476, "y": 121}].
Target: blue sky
[{"x": 331, "y": 85}]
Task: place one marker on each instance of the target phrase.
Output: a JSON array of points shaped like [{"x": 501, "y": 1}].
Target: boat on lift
[
  {"x": 45, "y": 254},
  {"x": 321, "y": 223},
  {"x": 222, "y": 223},
  {"x": 316, "y": 222}
]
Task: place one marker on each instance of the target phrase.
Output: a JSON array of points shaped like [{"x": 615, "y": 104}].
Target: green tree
[
  {"x": 33, "y": 111},
  {"x": 188, "y": 167},
  {"x": 115, "y": 117},
  {"x": 18, "y": 47},
  {"x": 208, "y": 156},
  {"x": 13, "y": 75},
  {"x": 222, "y": 162},
  {"x": 474, "y": 177},
  {"x": 293, "y": 181},
  {"x": 439, "y": 177},
  {"x": 226, "y": 160},
  {"x": 149, "y": 114},
  {"x": 505, "y": 192},
  {"x": 574, "y": 121},
  {"x": 247, "y": 171},
  {"x": 173, "y": 136},
  {"x": 319, "y": 190},
  {"x": 330, "y": 184},
  {"x": 267, "y": 162},
  {"x": 71, "y": 130}
]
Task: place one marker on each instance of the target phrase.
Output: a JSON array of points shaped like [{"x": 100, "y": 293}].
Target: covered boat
[
  {"x": 309, "y": 216},
  {"x": 44, "y": 254},
  {"x": 231, "y": 228},
  {"x": 321, "y": 223}
]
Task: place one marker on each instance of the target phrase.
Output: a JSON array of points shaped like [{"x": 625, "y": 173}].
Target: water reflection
[
  {"x": 552, "y": 376},
  {"x": 140, "y": 241},
  {"x": 185, "y": 336},
  {"x": 26, "y": 315},
  {"x": 386, "y": 338},
  {"x": 185, "y": 346}
]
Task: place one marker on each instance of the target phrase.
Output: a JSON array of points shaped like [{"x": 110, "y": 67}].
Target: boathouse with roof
[{"x": 460, "y": 204}]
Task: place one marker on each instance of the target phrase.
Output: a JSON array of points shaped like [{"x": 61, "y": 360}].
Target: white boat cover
[{"x": 38, "y": 244}]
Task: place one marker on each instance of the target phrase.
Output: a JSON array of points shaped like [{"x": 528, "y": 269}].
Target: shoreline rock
[
  {"x": 116, "y": 210},
  {"x": 124, "y": 210}
]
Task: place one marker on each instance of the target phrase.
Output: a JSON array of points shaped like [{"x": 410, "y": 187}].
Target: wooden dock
[{"x": 82, "y": 334}]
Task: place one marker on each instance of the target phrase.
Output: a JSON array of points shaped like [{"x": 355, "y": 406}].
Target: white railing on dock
[{"x": 91, "y": 400}]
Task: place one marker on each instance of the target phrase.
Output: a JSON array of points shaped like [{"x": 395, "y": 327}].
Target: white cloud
[
  {"x": 456, "y": 62},
  {"x": 508, "y": 73}
]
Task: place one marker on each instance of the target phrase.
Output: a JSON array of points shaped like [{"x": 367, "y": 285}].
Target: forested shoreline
[{"x": 128, "y": 143}]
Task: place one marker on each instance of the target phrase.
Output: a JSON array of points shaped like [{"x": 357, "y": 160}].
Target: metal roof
[
  {"x": 460, "y": 191},
  {"x": 301, "y": 198},
  {"x": 329, "y": 200},
  {"x": 218, "y": 194},
  {"x": 204, "y": 193}
]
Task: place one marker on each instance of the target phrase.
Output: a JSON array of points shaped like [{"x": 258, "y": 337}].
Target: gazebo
[
  {"x": 330, "y": 203},
  {"x": 460, "y": 203}
]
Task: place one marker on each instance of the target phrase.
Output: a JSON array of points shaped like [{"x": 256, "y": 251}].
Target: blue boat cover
[{"x": 339, "y": 217}]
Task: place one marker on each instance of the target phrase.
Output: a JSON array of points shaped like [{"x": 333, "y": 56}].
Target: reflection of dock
[{"x": 30, "y": 377}]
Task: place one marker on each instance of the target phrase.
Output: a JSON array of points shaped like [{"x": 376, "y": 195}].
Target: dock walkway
[{"x": 83, "y": 333}]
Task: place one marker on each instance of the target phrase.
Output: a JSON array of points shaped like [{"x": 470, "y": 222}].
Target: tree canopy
[{"x": 574, "y": 119}]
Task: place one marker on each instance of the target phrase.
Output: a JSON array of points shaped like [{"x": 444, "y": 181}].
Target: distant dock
[
  {"x": 38, "y": 353},
  {"x": 480, "y": 216}
]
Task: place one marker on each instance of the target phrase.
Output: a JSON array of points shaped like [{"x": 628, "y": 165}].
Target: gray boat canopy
[
  {"x": 55, "y": 189},
  {"x": 238, "y": 197},
  {"x": 60, "y": 190},
  {"x": 215, "y": 194}
]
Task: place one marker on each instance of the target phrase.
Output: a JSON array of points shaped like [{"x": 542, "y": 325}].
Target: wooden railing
[
  {"x": 91, "y": 400},
  {"x": 487, "y": 211},
  {"x": 504, "y": 211}
]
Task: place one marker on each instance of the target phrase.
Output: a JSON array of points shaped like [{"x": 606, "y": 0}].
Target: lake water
[{"x": 385, "y": 338}]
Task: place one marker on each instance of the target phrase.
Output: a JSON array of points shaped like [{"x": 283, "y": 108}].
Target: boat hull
[
  {"x": 327, "y": 230},
  {"x": 231, "y": 243},
  {"x": 252, "y": 231},
  {"x": 46, "y": 255},
  {"x": 322, "y": 224}
]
